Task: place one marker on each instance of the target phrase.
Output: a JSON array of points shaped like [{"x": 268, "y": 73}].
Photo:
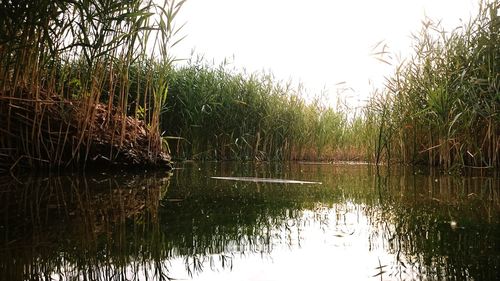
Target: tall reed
[
  {"x": 441, "y": 107},
  {"x": 215, "y": 112},
  {"x": 65, "y": 79}
]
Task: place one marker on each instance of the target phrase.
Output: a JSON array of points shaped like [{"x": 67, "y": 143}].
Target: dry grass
[{"x": 65, "y": 80}]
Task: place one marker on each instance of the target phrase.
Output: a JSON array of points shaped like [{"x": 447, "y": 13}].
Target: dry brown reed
[{"x": 65, "y": 81}]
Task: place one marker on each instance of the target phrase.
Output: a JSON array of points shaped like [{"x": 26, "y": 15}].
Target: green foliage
[
  {"x": 222, "y": 114},
  {"x": 441, "y": 107}
]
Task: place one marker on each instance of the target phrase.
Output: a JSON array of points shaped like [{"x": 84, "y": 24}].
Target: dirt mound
[{"x": 54, "y": 132}]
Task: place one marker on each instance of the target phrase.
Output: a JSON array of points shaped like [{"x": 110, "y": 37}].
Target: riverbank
[
  {"x": 52, "y": 132},
  {"x": 68, "y": 96}
]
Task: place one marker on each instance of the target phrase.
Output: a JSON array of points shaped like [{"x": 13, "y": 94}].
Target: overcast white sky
[{"x": 317, "y": 42}]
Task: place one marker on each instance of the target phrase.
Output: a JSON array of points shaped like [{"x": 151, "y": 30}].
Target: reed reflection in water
[
  {"x": 71, "y": 227},
  {"x": 357, "y": 225}
]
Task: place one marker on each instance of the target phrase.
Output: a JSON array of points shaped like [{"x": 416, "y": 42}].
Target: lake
[{"x": 203, "y": 222}]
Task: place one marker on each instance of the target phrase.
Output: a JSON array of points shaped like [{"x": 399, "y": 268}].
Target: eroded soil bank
[{"x": 50, "y": 132}]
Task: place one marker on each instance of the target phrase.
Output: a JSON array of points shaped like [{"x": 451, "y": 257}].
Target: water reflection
[
  {"x": 75, "y": 227},
  {"x": 444, "y": 227},
  {"x": 360, "y": 224}
]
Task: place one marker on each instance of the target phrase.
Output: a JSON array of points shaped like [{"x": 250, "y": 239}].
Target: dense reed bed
[
  {"x": 215, "y": 112},
  {"x": 88, "y": 80},
  {"x": 65, "y": 84},
  {"x": 441, "y": 107}
]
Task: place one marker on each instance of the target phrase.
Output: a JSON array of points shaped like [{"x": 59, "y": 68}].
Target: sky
[{"x": 326, "y": 45}]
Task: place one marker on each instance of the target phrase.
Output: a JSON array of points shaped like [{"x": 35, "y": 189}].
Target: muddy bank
[{"x": 51, "y": 132}]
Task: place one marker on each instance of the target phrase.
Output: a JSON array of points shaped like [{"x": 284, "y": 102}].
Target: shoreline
[{"x": 51, "y": 134}]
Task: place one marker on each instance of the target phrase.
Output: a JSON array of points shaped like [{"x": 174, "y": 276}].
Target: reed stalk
[
  {"x": 440, "y": 108},
  {"x": 215, "y": 112},
  {"x": 65, "y": 80}
]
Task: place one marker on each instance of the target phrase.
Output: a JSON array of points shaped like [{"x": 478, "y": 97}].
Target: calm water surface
[{"x": 359, "y": 224}]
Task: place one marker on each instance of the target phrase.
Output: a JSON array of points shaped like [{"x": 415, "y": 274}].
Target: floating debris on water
[{"x": 268, "y": 180}]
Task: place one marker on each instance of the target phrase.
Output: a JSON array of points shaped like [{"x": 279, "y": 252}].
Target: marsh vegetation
[
  {"x": 94, "y": 81},
  {"x": 67, "y": 92},
  {"x": 439, "y": 108},
  {"x": 214, "y": 113}
]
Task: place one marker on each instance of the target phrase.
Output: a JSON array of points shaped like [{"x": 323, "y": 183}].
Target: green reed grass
[
  {"x": 441, "y": 107},
  {"x": 61, "y": 60},
  {"x": 215, "y": 112}
]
